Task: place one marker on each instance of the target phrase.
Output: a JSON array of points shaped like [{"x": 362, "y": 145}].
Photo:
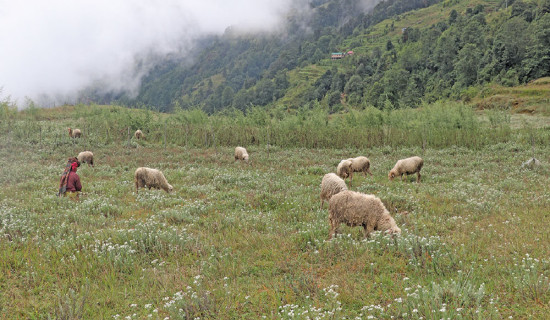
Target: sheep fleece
[
  {"x": 152, "y": 178},
  {"x": 407, "y": 166},
  {"x": 344, "y": 169},
  {"x": 331, "y": 185},
  {"x": 358, "y": 209},
  {"x": 241, "y": 154},
  {"x": 360, "y": 164},
  {"x": 138, "y": 134},
  {"x": 86, "y": 157}
]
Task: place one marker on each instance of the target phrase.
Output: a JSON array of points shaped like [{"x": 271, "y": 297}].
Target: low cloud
[{"x": 58, "y": 47}]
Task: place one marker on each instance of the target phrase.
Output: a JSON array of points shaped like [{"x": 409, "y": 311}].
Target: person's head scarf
[{"x": 72, "y": 164}]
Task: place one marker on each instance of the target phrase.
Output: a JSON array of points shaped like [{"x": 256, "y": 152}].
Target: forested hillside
[{"x": 401, "y": 53}]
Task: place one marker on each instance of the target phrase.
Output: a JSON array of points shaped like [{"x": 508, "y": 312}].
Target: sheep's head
[
  {"x": 170, "y": 188},
  {"x": 388, "y": 225},
  {"x": 344, "y": 169},
  {"x": 245, "y": 157},
  {"x": 392, "y": 174},
  {"x": 395, "y": 230}
]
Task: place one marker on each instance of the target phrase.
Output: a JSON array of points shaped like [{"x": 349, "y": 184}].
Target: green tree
[
  {"x": 227, "y": 96},
  {"x": 509, "y": 44},
  {"x": 354, "y": 85},
  {"x": 333, "y": 100},
  {"x": 538, "y": 62},
  {"x": 453, "y": 16},
  {"x": 467, "y": 65}
]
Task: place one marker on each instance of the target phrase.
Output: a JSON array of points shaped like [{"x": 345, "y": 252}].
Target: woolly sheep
[
  {"x": 407, "y": 166},
  {"x": 152, "y": 178},
  {"x": 358, "y": 209},
  {"x": 86, "y": 157},
  {"x": 331, "y": 185},
  {"x": 360, "y": 164},
  {"x": 344, "y": 170},
  {"x": 76, "y": 133},
  {"x": 241, "y": 154},
  {"x": 139, "y": 134}
]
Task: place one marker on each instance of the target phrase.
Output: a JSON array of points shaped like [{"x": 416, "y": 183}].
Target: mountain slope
[{"x": 404, "y": 53}]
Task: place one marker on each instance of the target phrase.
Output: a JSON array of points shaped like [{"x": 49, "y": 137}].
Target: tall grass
[{"x": 438, "y": 125}]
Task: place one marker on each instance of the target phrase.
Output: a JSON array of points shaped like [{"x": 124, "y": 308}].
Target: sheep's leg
[
  {"x": 332, "y": 231},
  {"x": 367, "y": 229},
  {"x": 418, "y": 177},
  {"x": 403, "y": 177}
]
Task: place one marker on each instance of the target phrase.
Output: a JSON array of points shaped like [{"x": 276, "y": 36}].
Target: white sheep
[
  {"x": 241, "y": 154},
  {"x": 76, "y": 133},
  {"x": 360, "y": 164},
  {"x": 358, "y": 209},
  {"x": 139, "y": 134},
  {"x": 152, "y": 178},
  {"x": 331, "y": 185},
  {"x": 86, "y": 157},
  {"x": 405, "y": 167},
  {"x": 344, "y": 170}
]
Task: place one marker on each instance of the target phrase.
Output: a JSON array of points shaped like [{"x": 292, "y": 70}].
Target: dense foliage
[{"x": 394, "y": 64}]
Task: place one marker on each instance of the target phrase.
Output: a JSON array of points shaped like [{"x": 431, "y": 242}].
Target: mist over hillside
[
  {"x": 58, "y": 48},
  {"x": 53, "y": 51},
  {"x": 216, "y": 56}
]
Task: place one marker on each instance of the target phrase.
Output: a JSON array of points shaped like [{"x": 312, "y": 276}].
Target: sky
[{"x": 58, "y": 47}]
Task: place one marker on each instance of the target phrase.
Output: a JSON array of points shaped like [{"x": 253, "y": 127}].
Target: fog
[{"x": 58, "y": 47}]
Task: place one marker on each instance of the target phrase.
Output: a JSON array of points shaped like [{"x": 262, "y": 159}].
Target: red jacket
[{"x": 74, "y": 182}]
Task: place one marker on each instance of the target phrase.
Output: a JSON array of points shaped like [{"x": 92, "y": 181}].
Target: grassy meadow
[{"x": 237, "y": 241}]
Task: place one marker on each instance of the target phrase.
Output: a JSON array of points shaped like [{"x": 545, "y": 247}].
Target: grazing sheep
[
  {"x": 358, "y": 209},
  {"x": 76, "y": 133},
  {"x": 331, "y": 185},
  {"x": 86, "y": 157},
  {"x": 139, "y": 135},
  {"x": 360, "y": 164},
  {"x": 407, "y": 166},
  {"x": 241, "y": 154},
  {"x": 152, "y": 178},
  {"x": 344, "y": 170}
]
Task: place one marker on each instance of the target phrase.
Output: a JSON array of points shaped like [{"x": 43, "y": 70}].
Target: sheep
[
  {"x": 360, "y": 164},
  {"x": 407, "y": 166},
  {"x": 152, "y": 178},
  {"x": 344, "y": 170},
  {"x": 86, "y": 157},
  {"x": 139, "y": 134},
  {"x": 241, "y": 154},
  {"x": 358, "y": 209},
  {"x": 331, "y": 185},
  {"x": 76, "y": 133}
]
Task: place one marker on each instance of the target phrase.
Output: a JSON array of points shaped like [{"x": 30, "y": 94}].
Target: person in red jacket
[
  {"x": 70, "y": 181},
  {"x": 73, "y": 185}
]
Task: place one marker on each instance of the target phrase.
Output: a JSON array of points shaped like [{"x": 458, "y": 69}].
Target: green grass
[
  {"x": 531, "y": 98},
  {"x": 249, "y": 241}
]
